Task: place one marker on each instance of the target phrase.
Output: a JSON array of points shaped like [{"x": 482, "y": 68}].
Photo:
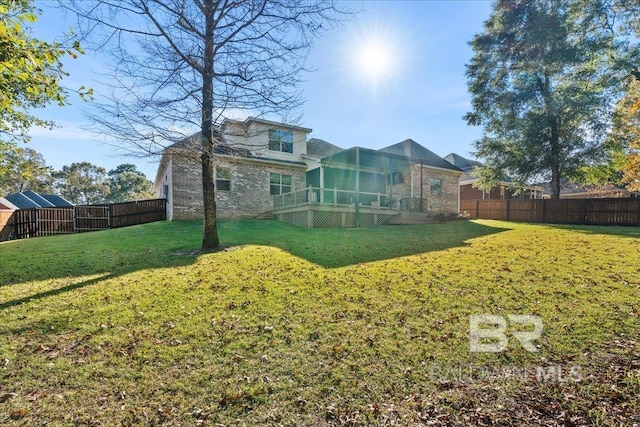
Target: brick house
[
  {"x": 265, "y": 168},
  {"x": 504, "y": 190},
  {"x": 258, "y": 159}
]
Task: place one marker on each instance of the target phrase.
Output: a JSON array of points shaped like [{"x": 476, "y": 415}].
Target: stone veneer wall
[
  {"x": 447, "y": 201},
  {"x": 250, "y": 188}
]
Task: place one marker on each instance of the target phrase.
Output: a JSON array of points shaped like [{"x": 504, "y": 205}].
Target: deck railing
[{"x": 333, "y": 197}]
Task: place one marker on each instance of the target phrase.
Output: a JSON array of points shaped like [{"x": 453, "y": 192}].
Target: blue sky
[{"x": 417, "y": 89}]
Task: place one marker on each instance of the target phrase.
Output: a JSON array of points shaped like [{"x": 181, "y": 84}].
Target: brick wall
[
  {"x": 444, "y": 203},
  {"x": 250, "y": 188}
]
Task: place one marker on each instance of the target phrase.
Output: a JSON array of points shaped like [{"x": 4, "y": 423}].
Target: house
[
  {"x": 30, "y": 199},
  {"x": 259, "y": 158},
  {"x": 504, "y": 190},
  {"x": 26, "y": 200},
  {"x": 265, "y": 168},
  {"x": 570, "y": 190},
  {"x": 6, "y": 205}
]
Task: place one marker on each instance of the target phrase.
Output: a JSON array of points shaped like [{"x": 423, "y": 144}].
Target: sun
[
  {"x": 374, "y": 60},
  {"x": 374, "y": 56}
]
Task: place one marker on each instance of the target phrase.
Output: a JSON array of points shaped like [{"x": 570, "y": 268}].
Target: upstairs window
[
  {"x": 223, "y": 178},
  {"x": 436, "y": 186},
  {"x": 281, "y": 140},
  {"x": 280, "y": 184}
]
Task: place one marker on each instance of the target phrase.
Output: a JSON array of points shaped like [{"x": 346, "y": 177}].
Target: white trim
[
  {"x": 271, "y": 123},
  {"x": 10, "y": 206},
  {"x": 252, "y": 160},
  {"x": 306, "y": 156}
]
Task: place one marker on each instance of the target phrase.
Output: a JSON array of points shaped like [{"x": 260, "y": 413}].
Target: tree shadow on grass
[
  {"x": 108, "y": 254},
  {"x": 114, "y": 253},
  {"x": 54, "y": 292},
  {"x": 333, "y": 248}
]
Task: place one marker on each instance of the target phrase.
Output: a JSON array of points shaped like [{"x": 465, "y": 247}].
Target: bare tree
[{"x": 181, "y": 65}]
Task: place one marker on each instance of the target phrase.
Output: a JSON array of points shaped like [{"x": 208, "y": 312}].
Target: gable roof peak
[{"x": 412, "y": 149}]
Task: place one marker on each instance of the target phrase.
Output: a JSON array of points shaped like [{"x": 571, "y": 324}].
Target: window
[
  {"x": 436, "y": 186},
  {"x": 281, "y": 140},
  {"x": 223, "y": 178},
  {"x": 165, "y": 191},
  {"x": 395, "y": 177},
  {"x": 280, "y": 183}
]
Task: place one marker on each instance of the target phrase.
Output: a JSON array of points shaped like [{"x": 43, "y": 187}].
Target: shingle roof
[
  {"x": 57, "y": 201},
  {"x": 320, "y": 148},
  {"x": 410, "y": 148},
  {"x": 30, "y": 199},
  {"x": 44, "y": 203},
  {"x": 462, "y": 162},
  {"x": 21, "y": 201}
]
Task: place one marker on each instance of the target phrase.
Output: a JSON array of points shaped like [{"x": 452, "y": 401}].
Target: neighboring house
[
  {"x": 505, "y": 189},
  {"x": 569, "y": 190},
  {"x": 7, "y": 205},
  {"x": 30, "y": 199},
  {"x": 265, "y": 168}
]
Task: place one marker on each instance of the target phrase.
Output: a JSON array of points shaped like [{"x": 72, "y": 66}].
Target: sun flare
[
  {"x": 374, "y": 60},
  {"x": 375, "y": 57}
]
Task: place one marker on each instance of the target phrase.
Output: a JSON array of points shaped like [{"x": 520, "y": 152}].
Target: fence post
[
  {"x": 36, "y": 220},
  {"x": 508, "y": 206},
  {"x": 544, "y": 211},
  {"x": 477, "y": 209}
]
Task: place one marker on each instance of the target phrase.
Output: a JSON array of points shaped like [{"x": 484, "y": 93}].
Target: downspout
[
  {"x": 170, "y": 195},
  {"x": 391, "y": 185},
  {"x": 459, "y": 178},
  {"x": 357, "y": 186},
  {"x": 321, "y": 184},
  {"x": 421, "y": 187}
]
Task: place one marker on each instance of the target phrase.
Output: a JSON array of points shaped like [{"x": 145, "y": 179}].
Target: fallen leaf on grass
[
  {"x": 7, "y": 396},
  {"x": 19, "y": 413}
]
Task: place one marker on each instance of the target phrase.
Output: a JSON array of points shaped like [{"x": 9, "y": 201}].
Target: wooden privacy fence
[
  {"x": 25, "y": 223},
  {"x": 564, "y": 211}
]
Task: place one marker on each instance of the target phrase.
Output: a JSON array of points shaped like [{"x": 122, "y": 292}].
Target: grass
[{"x": 318, "y": 327}]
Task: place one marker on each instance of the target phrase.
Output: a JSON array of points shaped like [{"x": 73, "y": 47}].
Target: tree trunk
[
  {"x": 555, "y": 182},
  {"x": 210, "y": 239},
  {"x": 554, "y": 159}
]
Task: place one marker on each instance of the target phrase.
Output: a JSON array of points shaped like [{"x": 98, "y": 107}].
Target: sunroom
[{"x": 362, "y": 187}]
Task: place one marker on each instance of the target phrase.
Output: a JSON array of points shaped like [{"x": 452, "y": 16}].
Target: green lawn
[{"x": 288, "y": 326}]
